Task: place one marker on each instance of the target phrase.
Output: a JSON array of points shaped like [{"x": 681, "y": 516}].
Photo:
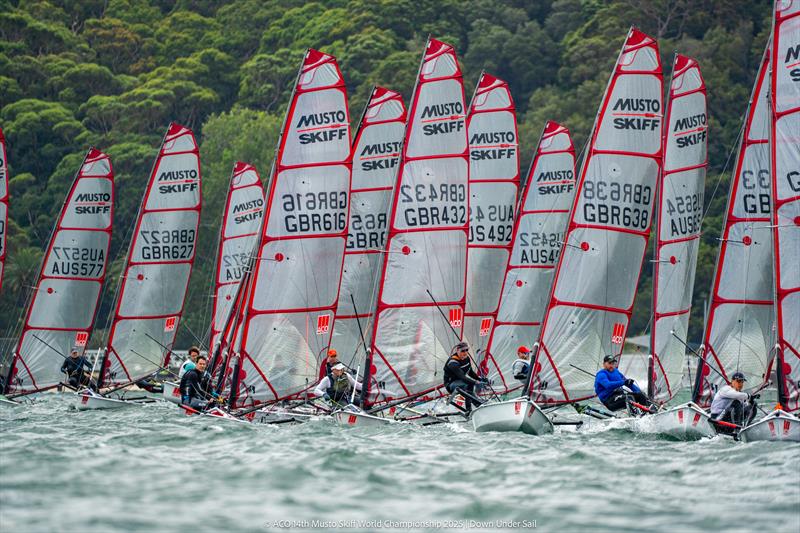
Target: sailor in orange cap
[
  {"x": 328, "y": 363},
  {"x": 521, "y": 366}
]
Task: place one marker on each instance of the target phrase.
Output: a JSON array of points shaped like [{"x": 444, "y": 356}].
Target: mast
[
  {"x": 376, "y": 154},
  {"x": 241, "y": 221},
  {"x": 160, "y": 258},
  {"x": 3, "y": 204},
  {"x": 679, "y": 214},
  {"x": 593, "y": 293},
  {"x": 539, "y": 230},
  {"x": 291, "y": 300},
  {"x": 784, "y": 99},
  {"x": 67, "y": 293},
  {"x": 422, "y": 288},
  {"x": 738, "y": 335},
  {"x": 493, "y": 188}
]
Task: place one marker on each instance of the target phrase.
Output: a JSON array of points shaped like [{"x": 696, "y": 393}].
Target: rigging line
[{"x": 731, "y": 151}]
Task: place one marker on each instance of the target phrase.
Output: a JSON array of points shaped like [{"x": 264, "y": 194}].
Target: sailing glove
[{"x": 628, "y": 382}]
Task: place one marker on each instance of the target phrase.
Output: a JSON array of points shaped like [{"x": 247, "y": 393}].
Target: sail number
[
  {"x": 491, "y": 223},
  {"x": 539, "y": 248},
  {"x": 331, "y": 212},
  {"x": 162, "y": 245},
  {"x": 233, "y": 266},
  {"x": 685, "y": 214},
  {"x": 636, "y": 216},
  {"x": 756, "y": 197},
  {"x": 76, "y": 262},
  {"x": 446, "y": 204},
  {"x": 367, "y": 231}
]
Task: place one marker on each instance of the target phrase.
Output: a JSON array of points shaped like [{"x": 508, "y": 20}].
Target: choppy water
[{"x": 151, "y": 469}]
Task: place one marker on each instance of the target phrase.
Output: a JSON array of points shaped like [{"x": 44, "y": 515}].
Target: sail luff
[
  {"x": 423, "y": 279},
  {"x": 376, "y": 154},
  {"x": 738, "y": 334},
  {"x": 679, "y": 198},
  {"x": 3, "y": 205},
  {"x": 539, "y": 228},
  {"x": 494, "y": 178},
  {"x": 64, "y": 302},
  {"x": 159, "y": 263},
  {"x": 784, "y": 98},
  {"x": 292, "y": 301},
  {"x": 591, "y": 302}
]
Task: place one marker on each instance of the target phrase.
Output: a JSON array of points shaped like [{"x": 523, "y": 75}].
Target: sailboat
[
  {"x": 784, "y": 161},
  {"x": 283, "y": 324},
  {"x": 155, "y": 279},
  {"x": 376, "y": 154},
  {"x": 537, "y": 241},
  {"x": 493, "y": 187},
  {"x": 238, "y": 235},
  {"x": 62, "y": 306},
  {"x": 3, "y": 204},
  {"x": 679, "y": 213},
  {"x": 421, "y": 297},
  {"x": 592, "y": 296}
]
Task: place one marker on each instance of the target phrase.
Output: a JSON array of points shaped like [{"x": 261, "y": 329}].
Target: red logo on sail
[
  {"x": 456, "y": 317},
  {"x": 486, "y": 325},
  {"x": 169, "y": 323},
  {"x": 619, "y": 333},
  {"x": 323, "y": 323},
  {"x": 80, "y": 338}
]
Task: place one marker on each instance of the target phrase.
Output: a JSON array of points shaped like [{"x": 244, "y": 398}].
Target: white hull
[
  {"x": 685, "y": 422},
  {"x": 6, "y": 401},
  {"x": 172, "y": 392},
  {"x": 90, "y": 400},
  {"x": 353, "y": 418},
  {"x": 519, "y": 414},
  {"x": 777, "y": 426}
]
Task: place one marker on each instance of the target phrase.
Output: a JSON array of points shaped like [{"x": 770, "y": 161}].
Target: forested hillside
[{"x": 113, "y": 74}]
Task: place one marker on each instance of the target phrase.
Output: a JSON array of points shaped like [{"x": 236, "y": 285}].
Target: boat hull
[
  {"x": 685, "y": 422},
  {"x": 6, "y": 401},
  {"x": 520, "y": 414},
  {"x": 358, "y": 419},
  {"x": 89, "y": 400},
  {"x": 172, "y": 392},
  {"x": 777, "y": 426}
]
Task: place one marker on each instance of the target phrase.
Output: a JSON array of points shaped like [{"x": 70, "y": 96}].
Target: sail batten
[
  {"x": 539, "y": 229},
  {"x": 155, "y": 278},
  {"x": 784, "y": 95},
  {"x": 67, "y": 293},
  {"x": 738, "y": 335},
  {"x": 420, "y": 309},
  {"x": 680, "y": 211},
  {"x": 592, "y": 297}
]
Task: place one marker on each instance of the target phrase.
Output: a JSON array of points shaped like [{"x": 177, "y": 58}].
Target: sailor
[
  {"x": 610, "y": 386},
  {"x": 194, "y": 384},
  {"x": 338, "y": 387},
  {"x": 460, "y": 377},
  {"x": 74, "y": 367},
  {"x": 730, "y": 404},
  {"x": 521, "y": 366},
  {"x": 328, "y": 363},
  {"x": 190, "y": 362}
]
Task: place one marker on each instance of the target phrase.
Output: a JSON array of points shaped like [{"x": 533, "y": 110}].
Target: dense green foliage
[{"x": 114, "y": 73}]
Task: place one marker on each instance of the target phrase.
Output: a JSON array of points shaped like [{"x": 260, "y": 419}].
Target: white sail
[
  {"x": 493, "y": 187},
  {"x": 785, "y": 165},
  {"x": 156, "y": 275},
  {"x": 65, "y": 300},
  {"x": 294, "y": 287},
  {"x": 539, "y": 231},
  {"x": 739, "y": 330},
  {"x": 376, "y": 154},
  {"x": 679, "y": 213},
  {"x": 241, "y": 221},
  {"x": 421, "y": 297},
  {"x": 598, "y": 271}
]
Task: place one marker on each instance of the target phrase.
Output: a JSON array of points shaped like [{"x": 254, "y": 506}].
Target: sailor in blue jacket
[{"x": 609, "y": 383}]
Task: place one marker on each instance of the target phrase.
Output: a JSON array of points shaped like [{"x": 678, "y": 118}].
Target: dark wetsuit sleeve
[{"x": 458, "y": 374}]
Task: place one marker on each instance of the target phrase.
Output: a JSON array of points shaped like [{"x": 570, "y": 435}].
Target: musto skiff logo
[
  {"x": 322, "y": 127},
  {"x": 379, "y": 156},
  {"x": 492, "y": 145},
  {"x": 689, "y": 131},
  {"x": 442, "y": 118},
  {"x": 555, "y": 182},
  {"x": 248, "y": 211},
  {"x": 92, "y": 203},
  {"x": 177, "y": 181},
  {"x": 637, "y": 114},
  {"x": 792, "y": 62}
]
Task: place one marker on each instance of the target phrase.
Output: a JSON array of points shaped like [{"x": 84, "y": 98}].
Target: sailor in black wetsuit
[
  {"x": 74, "y": 367},
  {"x": 460, "y": 377},
  {"x": 194, "y": 384}
]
